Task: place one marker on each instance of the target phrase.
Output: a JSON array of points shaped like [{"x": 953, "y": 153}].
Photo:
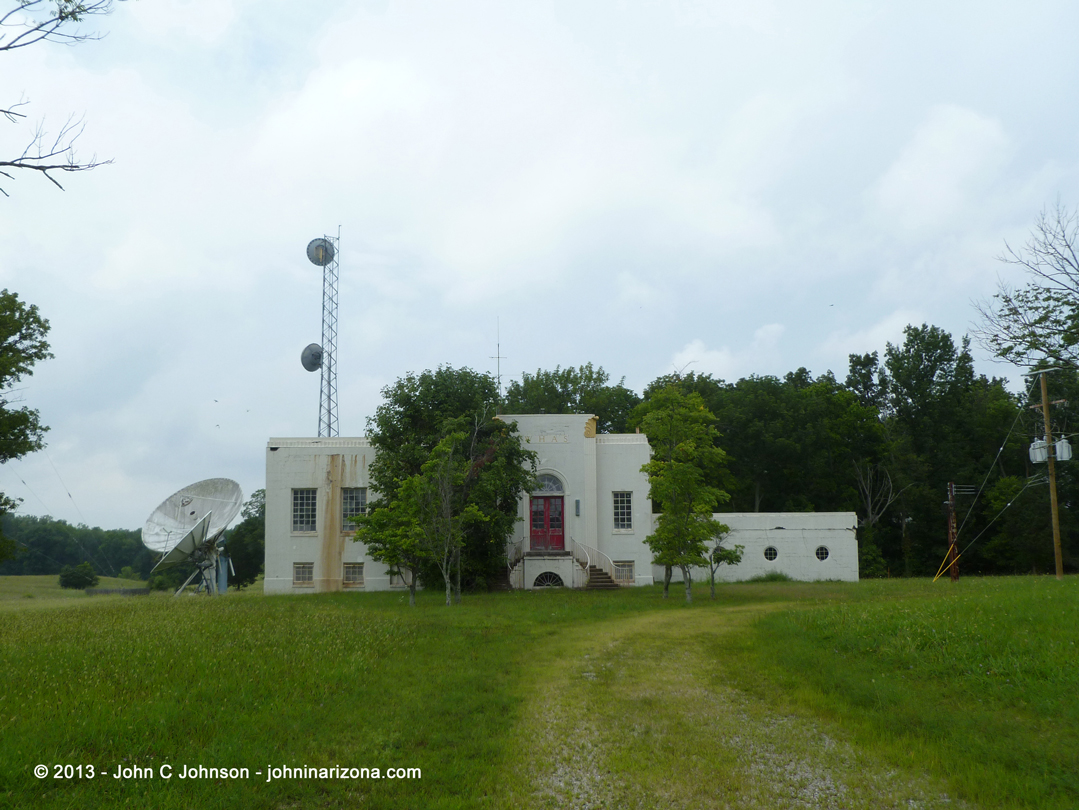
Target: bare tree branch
[
  {"x": 29, "y": 22},
  {"x": 876, "y": 488},
  {"x": 1041, "y": 319},
  {"x": 12, "y": 114},
  {"x": 41, "y": 154},
  {"x": 35, "y": 21}
]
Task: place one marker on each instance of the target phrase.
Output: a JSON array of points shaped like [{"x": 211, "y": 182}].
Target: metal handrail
[
  {"x": 602, "y": 561},
  {"x": 580, "y": 568},
  {"x": 514, "y": 555}
]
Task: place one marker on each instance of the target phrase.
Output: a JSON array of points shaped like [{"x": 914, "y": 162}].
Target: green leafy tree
[
  {"x": 791, "y": 441},
  {"x": 22, "y": 344},
  {"x": 876, "y": 468},
  {"x": 246, "y": 543},
  {"x": 927, "y": 377},
  {"x": 885, "y": 444},
  {"x": 392, "y": 534},
  {"x": 1019, "y": 542},
  {"x": 440, "y": 509},
  {"x": 944, "y": 423},
  {"x": 682, "y": 435},
  {"x": 574, "y": 390},
  {"x": 419, "y": 413},
  {"x": 722, "y": 555},
  {"x": 1020, "y": 538},
  {"x": 80, "y": 577}
]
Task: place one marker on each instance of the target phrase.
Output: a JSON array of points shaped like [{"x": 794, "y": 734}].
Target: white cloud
[
  {"x": 839, "y": 345},
  {"x": 759, "y": 357},
  {"x": 204, "y": 21},
  {"x": 953, "y": 158},
  {"x": 639, "y": 185}
]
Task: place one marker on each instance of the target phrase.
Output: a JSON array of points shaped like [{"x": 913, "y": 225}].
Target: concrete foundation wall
[{"x": 534, "y": 566}]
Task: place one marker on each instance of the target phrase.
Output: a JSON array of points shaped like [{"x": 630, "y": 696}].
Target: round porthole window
[
  {"x": 770, "y": 553},
  {"x": 822, "y": 553}
]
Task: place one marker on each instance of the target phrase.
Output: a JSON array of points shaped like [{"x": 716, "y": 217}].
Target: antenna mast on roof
[
  {"x": 324, "y": 252},
  {"x": 498, "y": 358}
]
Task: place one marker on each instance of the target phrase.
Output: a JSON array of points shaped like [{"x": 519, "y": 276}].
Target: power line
[
  {"x": 991, "y": 465},
  {"x": 47, "y": 510},
  {"x": 89, "y": 556},
  {"x": 39, "y": 553},
  {"x": 1030, "y": 481},
  {"x": 61, "y": 480}
]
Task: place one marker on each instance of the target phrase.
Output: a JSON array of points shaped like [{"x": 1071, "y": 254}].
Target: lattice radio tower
[{"x": 324, "y": 252}]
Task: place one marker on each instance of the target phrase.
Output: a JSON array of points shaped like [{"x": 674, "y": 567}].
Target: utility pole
[
  {"x": 1051, "y": 449},
  {"x": 953, "y": 563}
]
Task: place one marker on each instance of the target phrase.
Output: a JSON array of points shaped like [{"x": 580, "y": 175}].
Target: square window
[
  {"x": 353, "y": 575},
  {"x": 623, "y": 572},
  {"x": 303, "y": 575},
  {"x": 304, "y": 509},
  {"x": 353, "y": 502},
  {"x": 623, "y": 511}
]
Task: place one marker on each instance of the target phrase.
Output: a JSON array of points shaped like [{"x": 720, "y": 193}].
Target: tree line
[
  {"x": 46, "y": 546},
  {"x": 884, "y": 443}
]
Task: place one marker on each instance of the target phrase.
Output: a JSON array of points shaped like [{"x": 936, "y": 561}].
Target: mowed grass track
[{"x": 892, "y": 694}]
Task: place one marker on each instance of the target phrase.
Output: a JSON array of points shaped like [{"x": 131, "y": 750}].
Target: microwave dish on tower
[
  {"x": 324, "y": 252},
  {"x": 187, "y": 527},
  {"x": 311, "y": 357},
  {"x": 320, "y": 251}
]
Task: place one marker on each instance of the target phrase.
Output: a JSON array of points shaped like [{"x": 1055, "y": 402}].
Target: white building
[
  {"x": 589, "y": 516},
  {"x": 806, "y": 546}
]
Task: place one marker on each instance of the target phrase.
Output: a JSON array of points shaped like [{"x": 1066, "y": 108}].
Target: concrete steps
[
  {"x": 501, "y": 582},
  {"x": 599, "y": 580}
]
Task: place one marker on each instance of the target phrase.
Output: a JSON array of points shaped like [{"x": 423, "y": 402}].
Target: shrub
[
  {"x": 82, "y": 576},
  {"x": 772, "y": 576},
  {"x": 871, "y": 564}
]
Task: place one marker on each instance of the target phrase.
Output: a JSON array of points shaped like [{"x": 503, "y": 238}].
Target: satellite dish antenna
[
  {"x": 188, "y": 526},
  {"x": 323, "y": 252},
  {"x": 311, "y": 357}
]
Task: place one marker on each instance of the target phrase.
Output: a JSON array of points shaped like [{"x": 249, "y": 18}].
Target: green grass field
[{"x": 833, "y": 695}]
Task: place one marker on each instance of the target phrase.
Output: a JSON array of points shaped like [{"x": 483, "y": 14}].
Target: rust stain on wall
[{"x": 333, "y": 543}]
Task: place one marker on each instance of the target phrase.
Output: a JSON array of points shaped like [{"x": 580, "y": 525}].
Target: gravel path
[{"x": 642, "y": 720}]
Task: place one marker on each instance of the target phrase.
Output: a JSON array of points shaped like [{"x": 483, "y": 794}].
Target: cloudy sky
[{"x": 730, "y": 187}]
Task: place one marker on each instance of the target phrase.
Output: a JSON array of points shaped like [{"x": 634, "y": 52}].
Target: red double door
[{"x": 548, "y": 533}]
